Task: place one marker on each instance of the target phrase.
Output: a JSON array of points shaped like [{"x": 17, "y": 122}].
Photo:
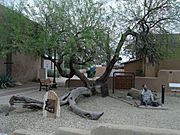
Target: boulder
[{"x": 134, "y": 93}]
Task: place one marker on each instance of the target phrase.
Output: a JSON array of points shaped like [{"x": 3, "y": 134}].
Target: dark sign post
[{"x": 163, "y": 93}]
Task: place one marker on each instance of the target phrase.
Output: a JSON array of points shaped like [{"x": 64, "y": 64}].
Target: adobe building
[
  {"x": 147, "y": 69},
  {"x": 20, "y": 66}
]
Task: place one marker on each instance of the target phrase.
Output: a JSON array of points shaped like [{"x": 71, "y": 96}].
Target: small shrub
[{"x": 6, "y": 81}]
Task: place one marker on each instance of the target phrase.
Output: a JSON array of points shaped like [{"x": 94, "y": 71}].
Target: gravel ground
[{"x": 115, "y": 112}]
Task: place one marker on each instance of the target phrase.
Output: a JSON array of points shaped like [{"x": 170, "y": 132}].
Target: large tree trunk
[
  {"x": 115, "y": 58},
  {"x": 71, "y": 97},
  {"x": 102, "y": 79},
  {"x": 82, "y": 77}
]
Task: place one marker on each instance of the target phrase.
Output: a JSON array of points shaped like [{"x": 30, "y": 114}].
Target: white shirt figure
[{"x": 147, "y": 96}]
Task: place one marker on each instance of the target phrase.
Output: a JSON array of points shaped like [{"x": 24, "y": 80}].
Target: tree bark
[
  {"x": 115, "y": 58},
  {"x": 107, "y": 72},
  {"x": 82, "y": 77},
  {"x": 25, "y": 100},
  {"x": 71, "y": 98},
  {"x": 27, "y": 103}
]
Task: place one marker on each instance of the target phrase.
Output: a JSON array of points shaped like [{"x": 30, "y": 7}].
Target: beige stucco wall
[
  {"x": 155, "y": 83},
  {"x": 151, "y": 70},
  {"x": 100, "y": 71},
  {"x": 151, "y": 82},
  {"x": 78, "y": 83},
  {"x": 170, "y": 64},
  {"x": 133, "y": 66},
  {"x": 25, "y": 68}
]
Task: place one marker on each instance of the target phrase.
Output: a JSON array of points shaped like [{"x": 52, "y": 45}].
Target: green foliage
[
  {"x": 156, "y": 47},
  {"x": 50, "y": 73},
  {"x": 152, "y": 21},
  {"x": 16, "y": 31},
  {"x": 84, "y": 32},
  {"x": 6, "y": 81},
  {"x": 74, "y": 28}
]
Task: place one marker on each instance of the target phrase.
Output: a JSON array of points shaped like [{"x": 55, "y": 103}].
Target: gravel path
[{"x": 116, "y": 112}]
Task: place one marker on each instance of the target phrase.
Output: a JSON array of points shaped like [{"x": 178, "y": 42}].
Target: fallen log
[
  {"x": 71, "y": 98},
  {"x": 26, "y": 102},
  {"x": 84, "y": 113},
  {"x": 21, "y": 99}
]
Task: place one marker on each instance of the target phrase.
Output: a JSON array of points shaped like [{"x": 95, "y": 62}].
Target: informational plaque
[{"x": 51, "y": 106}]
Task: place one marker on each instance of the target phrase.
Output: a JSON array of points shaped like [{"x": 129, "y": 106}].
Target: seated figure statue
[{"x": 147, "y": 97}]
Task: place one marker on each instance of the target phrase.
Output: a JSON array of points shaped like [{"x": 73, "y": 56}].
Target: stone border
[{"x": 106, "y": 129}]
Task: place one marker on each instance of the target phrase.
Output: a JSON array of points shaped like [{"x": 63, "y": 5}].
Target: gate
[{"x": 123, "y": 80}]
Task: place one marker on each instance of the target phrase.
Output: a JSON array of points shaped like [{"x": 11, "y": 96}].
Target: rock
[
  {"x": 134, "y": 93},
  {"x": 5, "y": 108},
  {"x": 129, "y": 98},
  {"x": 18, "y": 84}
]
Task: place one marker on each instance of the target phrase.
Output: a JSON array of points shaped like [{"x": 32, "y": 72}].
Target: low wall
[
  {"x": 78, "y": 83},
  {"x": 154, "y": 83},
  {"x": 28, "y": 132},
  {"x": 107, "y": 129},
  {"x": 71, "y": 131}
]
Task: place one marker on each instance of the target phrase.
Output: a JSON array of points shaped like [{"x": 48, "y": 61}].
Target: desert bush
[{"x": 6, "y": 81}]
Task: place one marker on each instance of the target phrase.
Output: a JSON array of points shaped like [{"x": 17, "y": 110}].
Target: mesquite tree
[
  {"x": 79, "y": 31},
  {"x": 72, "y": 30}
]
